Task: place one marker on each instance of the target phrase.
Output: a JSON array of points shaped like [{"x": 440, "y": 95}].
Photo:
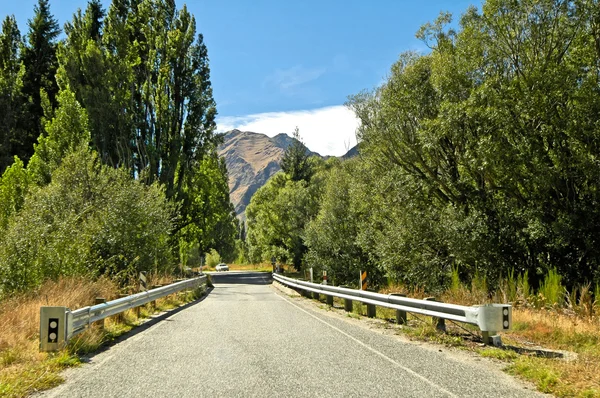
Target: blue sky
[{"x": 278, "y": 64}]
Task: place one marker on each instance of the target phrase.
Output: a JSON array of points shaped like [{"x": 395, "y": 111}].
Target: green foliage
[
  {"x": 67, "y": 131},
  {"x": 133, "y": 83},
  {"x": 333, "y": 235},
  {"x": 40, "y": 62},
  {"x": 511, "y": 286},
  {"x": 523, "y": 288},
  {"x": 545, "y": 377},
  {"x": 455, "y": 283},
  {"x": 213, "y": 258},
  {"x": 12, "y": 101},
  {"x": 295, "y": 162},
  {"x": 14, "y": 186},
  {"x": 191, "y": 255},
  {"x": 142, "y": 73},
  {"x": 90, "y": 219},
  {"x": 241, "y": 251},
  {"x": 482, "y": 150},
  {"x": 597, "y": 298},
  {"x": 277, "y": 216},
  {"x": 209, "y": 220},
  {"x": 551, "y": 291}
]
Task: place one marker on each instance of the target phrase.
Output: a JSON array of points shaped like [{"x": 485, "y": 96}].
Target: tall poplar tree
[{"x": 141, "y": 72}]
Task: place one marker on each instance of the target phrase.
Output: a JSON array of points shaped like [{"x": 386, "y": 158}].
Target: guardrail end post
[
  {"x": 53, "y": 328},
  {"x": 401, "y": 318},
  {"x": 491, "y": 338},
  {"x": 100, "y": 300},
  {"x": 440, "y": 323},
  {"x": 491, "y": 318}
]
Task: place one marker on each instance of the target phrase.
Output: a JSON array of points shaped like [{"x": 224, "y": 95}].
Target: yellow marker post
[{"x": 363, "y": 280}]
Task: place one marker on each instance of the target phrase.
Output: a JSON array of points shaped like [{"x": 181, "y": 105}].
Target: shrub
[
  {"x": 90, "y": 220},
  {"x": 213, "y": 258},
  {"x": 523, "y": 288},
  {"x": 552, "y": 291}
]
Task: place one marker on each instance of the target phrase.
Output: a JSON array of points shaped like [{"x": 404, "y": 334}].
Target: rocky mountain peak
[{"x": 251, "y": 159}]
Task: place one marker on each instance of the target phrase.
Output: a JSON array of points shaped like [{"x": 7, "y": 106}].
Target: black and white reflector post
[
  {"x": 53, "y": 328},
  {"x": 143, "y": 283}
]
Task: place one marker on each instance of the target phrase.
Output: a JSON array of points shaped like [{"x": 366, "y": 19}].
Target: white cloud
[{"x": 328, "y": 131}]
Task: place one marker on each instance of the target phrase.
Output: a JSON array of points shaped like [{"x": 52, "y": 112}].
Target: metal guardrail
[
  {"x": 59, "y": 324},
  {"x": 490, "y": 318}
]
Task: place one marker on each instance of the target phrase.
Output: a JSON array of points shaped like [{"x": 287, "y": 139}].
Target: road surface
[{"x": 249, "y": 339}]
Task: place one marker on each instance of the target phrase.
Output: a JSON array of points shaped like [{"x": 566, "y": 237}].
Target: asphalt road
[{"x": 247, "y": 338}]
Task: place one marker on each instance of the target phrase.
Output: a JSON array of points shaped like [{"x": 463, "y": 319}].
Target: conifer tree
[
  {"x": 295, "y": 160},
  {"x": 11, "y": 81},
  {"x": 39, "y": 59}
]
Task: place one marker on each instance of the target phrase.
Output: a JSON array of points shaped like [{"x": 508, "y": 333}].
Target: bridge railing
[
  {"x": 59, "y": 324},
  {"x": 490, "y": 318}
]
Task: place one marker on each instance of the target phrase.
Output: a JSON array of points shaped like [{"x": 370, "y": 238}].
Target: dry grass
[
  {"x": 23, "y": 369},
  {"x": 574, "y": 328},
  {"x": 558, "y": 329},
  {"x": 19, "y": 316},
  {"x": 262, "y": 267}
]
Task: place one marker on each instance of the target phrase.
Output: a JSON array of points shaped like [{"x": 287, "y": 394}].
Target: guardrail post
[
  {"x": 371, "y": 308},
  {"x": 120, "y": 316},
  {"x": 153, "y": 302},
  {"x": 347, "y": 303},
  {"x": 440, "y": 323},
  {"x": 305, "y": 292},
  {"x": 400, "y": 315},
  {"x": 329, "y": 300},
  {"x": 491, "y": 338},
  {"x": 100, "y": 300},
  {"x": 53, "y": 328}
]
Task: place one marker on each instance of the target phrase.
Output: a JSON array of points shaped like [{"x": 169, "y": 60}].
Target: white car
[{"x": 222, "y": 267}]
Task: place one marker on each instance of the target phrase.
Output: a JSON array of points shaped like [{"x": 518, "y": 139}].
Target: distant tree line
[
  {"x": 108, "y": 144},
  {"x": 481, "y": 155}
]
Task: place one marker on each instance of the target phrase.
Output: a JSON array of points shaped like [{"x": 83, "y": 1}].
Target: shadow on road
[{"x": 241, "y": 278}]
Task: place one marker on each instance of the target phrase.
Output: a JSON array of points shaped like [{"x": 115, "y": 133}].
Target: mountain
[{"x": 252, "y": 159}]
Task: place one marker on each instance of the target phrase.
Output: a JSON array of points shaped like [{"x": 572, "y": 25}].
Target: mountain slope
[{"x": 252, "y": 159}]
